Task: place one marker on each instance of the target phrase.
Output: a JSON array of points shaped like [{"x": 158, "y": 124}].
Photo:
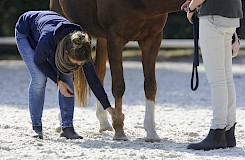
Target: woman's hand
[
  {"x": 185, "y": 5},
  {"x": 190, "y": 16},
  {"x": 235, "y": 48},
  {"x": 112, "y": 112},
  {"x": 235, "y": 45},
  {"x": 190, "y": 7},
  {"x": 65, "y": 89}
]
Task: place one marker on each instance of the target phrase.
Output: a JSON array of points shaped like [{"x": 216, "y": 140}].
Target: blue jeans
[{"x": 36, "y": 90}]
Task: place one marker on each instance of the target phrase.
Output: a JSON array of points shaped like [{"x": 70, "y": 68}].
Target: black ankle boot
[
  {"x": 214, "y": 140},
  {"x": 70, "y": 133},
  {"x": 230, "y": 137},
  {"x": 38, "y": 132}
]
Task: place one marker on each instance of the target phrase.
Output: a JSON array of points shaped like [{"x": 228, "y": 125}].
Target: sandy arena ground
[{"x": 182, "y": 116}]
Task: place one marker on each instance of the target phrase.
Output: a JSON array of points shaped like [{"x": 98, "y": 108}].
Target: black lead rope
[{"x": 196, "y": 54}]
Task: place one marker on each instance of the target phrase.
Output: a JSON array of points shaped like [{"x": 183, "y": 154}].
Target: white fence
[{"x": 166, "y": 43}]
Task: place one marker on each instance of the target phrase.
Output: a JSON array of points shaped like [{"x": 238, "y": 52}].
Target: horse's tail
[{"x": 81, "y": 87}]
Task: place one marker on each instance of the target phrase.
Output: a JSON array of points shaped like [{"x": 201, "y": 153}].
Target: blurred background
[{"x": 177, "y": 27}]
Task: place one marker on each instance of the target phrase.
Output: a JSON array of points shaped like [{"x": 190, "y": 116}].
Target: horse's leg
[
  {"x": 115, "y": 45},
  {"x": 54, "y": 5},
  {"x": 100, "y": 66},
  {"x": 58, "y": 126},
  {"x": 150, "y": 48}
]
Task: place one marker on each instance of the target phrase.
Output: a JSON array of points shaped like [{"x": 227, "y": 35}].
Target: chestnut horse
[{"x": 114, "y": 23}]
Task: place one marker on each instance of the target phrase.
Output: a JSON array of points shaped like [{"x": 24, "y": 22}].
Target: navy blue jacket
[{"x": 43, "y": 30}]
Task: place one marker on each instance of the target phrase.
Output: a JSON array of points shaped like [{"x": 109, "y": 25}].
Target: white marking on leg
[
  {"x": 58, "y": 127},
  {"x": 102, "y": 116},
  {"x": 149, "y": 122}
]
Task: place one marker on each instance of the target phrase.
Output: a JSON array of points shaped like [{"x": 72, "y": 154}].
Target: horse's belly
[{"x": 84, "y": 13}]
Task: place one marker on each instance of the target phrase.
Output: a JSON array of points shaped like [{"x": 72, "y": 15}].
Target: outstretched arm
[{"x": 96, "y": 87}]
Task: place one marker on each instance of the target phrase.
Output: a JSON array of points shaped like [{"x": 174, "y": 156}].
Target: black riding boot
[
  {"x": 230, "y": 137},
  {"x": 38, "y": 132},
  {"x": 214, "y": 140},
  {"x": 70, "y": 133}
]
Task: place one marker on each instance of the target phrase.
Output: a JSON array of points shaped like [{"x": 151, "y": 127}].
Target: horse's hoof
[
  {"x": 58, "y": 129},
  {"x": 152, "y": 137},
  {"x": 120, "y": 138},
  {"x": 105, "y": 126},
  {"x": 152, "y": 140},
  {"x": 105, "y": 129}
]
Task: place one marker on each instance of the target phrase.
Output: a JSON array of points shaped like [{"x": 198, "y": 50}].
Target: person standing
[
  {"x": 218, "y": 20},
  {"x": 53, "y": 47}
]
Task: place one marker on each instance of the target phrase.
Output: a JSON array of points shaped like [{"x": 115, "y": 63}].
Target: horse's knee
[{"x": 118, "y": 90}]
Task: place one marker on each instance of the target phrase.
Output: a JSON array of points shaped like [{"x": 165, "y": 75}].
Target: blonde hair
[{"x": 78, "y": 47}]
